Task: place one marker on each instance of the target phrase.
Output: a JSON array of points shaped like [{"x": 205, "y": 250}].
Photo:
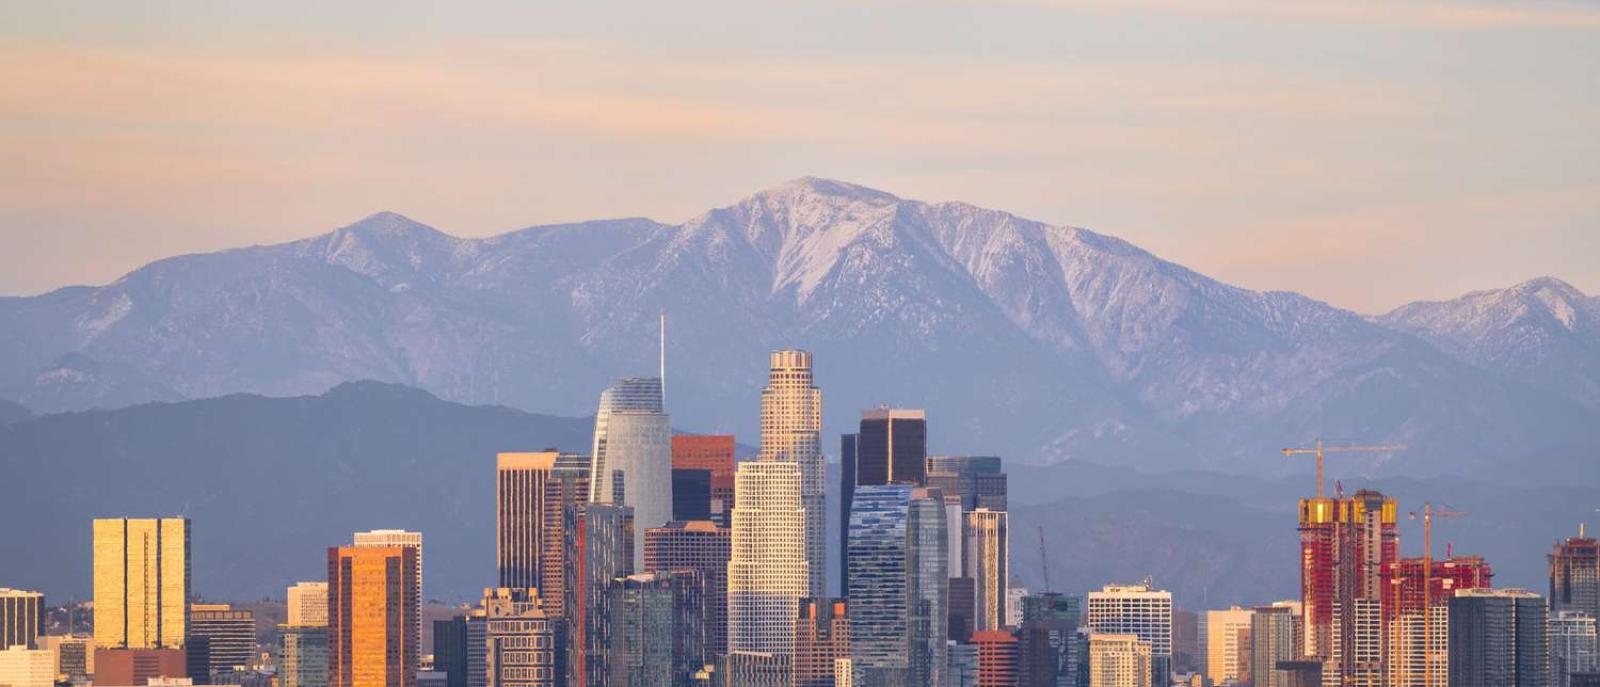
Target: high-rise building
[
  {"x": 961, "y": 607},
  {"x": 1051, "y": 606},
  {"x": 1344, "y": 545},
  {"x": 566, "y": 487},
  {"x": 373, "y": 615},
  {"x": 1120, "y": 660},
  {"x": 1224, "y": 633},
  {"x": 974, "y": 481},
  {"x": 1273, "y": 638},
  {"x": 656, "y": 629},
  {"x": 691, "y": 494},
  {"x": 632, "y": 459},
  {"x": 1014, "y": 597},
  {"x": 999, "y": 658},
  {"x": 398, "y": 538},
  {"x": 519, "y": 641},
  {"x": 1572, "y": 646},
  {"x": 303, "y": 655},
  {"x": 1402, "y": 582},
  {"x": 1416, "y": 644},
  {"x": 1575, "y": 576},
  {"x": 1140, "y": 611},
  {"x": 821, "y": 637},
  {"x": 898, "y": 567},
  {"x": 1497, "y": 639},
  {"x": 706, "y": 549},
  {"x": 1584, "y": 680},
  {"x": 519, "y": 516},
  {"x": 714, "y": 452},
  {"x": 988, "y": 563},
  {"x": 963, "y": 665},
  {"x": 308, "y": 604},
  {"x": 791, "y": 431},
  {"x": 141, "y": 582},
  {"x": 1050, "y": 656},
  {"x": 599, "y": 542},
  {"x": 21, "y": 666},
  {"x": 450, "y": 650},
  {"x": 229, "y": 637},
  {"x": 890, "y": 448},
  {"x": 768, "y": 572},
  {"x": 21, "y": 618}
]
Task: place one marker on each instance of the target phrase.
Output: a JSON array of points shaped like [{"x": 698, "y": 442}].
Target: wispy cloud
[{"x": 1419, "y": 15}]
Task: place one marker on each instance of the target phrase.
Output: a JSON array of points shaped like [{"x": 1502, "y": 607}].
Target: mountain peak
[
  {"x": 390, "y": 224},
  {"x": 809, "y": 186}
]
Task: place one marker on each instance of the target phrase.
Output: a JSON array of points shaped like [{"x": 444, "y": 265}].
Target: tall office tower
[
  {"x": 387, "y": 538},
  {"x": 1049, "y": 650},
  {"x": 791, "y": 431},
  {"x": 599, "y": 542},
  {"x": 1120, "y": 660},
  {"x": 1344, "y": 545},
  {"x": 303, "y": 655},
  {"x": 519, "y": 516},
  {"x": 988, "y": 563},
  {"x": 1140, "y": 611},
  {"x": 1224, "y": 633},
  {"x": 519, "y": 640},
  {"x": 1366, "y": 658},
  {"x": 632, "y": 460},
  {"x": 1497, "y": 639},
  {"x": 656, "y": 629},
  {"x": 691, "y": 494},
  {"x": 963, "y": 665},
  {"x": 898, "y": 583},
  {"x": 960, "y": 609},
  {"x": 21, "y": 618},
  {"x": 1186, "y": 656},
  {"x": 1052, "y": 606},
  {"x": 1273, "y": 638},
  {"x": 21, "y": 666},
  {"x": 450, "y": 650},
  {"x": 1575, "y": 576},
  {"x": 767, "y": 571},
  {"x": 704, "y": 548},
  {"x": 975, "y": 481},
  {"x": 1416, "y": 644},
  {"x": 566, "y": 487},
  {"x": 712, "y": 452},
  {"x": 229, "y": 636},
  {"x": 373, "y": 615},
  {"x": 1572, "y": 646},
  {"x": 308, "y": 604},
  {"x": 821, "y": 637},
  {"x": 476, "y": 647},
  {"x": 141, "y": 582},
  {"x": 890, "y": 448},
  {"x": 999, "y": 658}
]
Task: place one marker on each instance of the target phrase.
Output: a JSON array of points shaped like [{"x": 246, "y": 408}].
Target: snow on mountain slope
[{"x": 1038, "y": 342}]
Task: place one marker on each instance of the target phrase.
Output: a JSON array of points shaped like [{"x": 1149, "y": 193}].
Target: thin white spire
[{"x": 663, "y": 357}]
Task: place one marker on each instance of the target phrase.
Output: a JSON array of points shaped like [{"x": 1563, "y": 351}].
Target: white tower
[
  {"x": 791, "y": 431},
  {"x": 767, "y": 573}
]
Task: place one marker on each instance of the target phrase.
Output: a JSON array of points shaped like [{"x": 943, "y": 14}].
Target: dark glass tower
[
  {"x": 1497, "y": 639},
  {"x": 890, "y": 448}
]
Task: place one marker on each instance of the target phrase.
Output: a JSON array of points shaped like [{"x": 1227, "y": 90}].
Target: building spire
[{"x": 663, "y": 357}]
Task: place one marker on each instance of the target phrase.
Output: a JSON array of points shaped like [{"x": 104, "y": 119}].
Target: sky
[{"x": 1363, "y": 152}]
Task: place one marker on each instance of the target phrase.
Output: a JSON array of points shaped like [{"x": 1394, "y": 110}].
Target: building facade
[
  {"x": 988, "y": 563},
  {"x": 1575, "y": 576},
  {"x": 565, "y": 489},
  {"x": 519, "y": 516},
  {"x": 21, "y": 666},
  {"x": 974, "y": 481},
  {"x": 1140, "y": 611},
  {"x": 229, "y": 637},
  {"x": 22, "y": 618},
  {"x": 768, "y": 572},
  {"x": 706, "y": 549},
  {"x": 891, "y": 447},
  {"x": 822, "y": 637},
  {"x": 1572, "y": 646},
  {"x": 1498, "y": 639},
  {"x": 999, "y": 658},
  {"x": 303, "y": 655},
  {"x": 141, "y": 582},
  {"x": 791, "y": 431},
  {"x": 897, "y": 557},
  {"x": 520, "y": 647},
  {"x": 600, "y": 544},
  {"x": 1227, "y": 639},
  {"x": 307, "y": 604},
  {"x": 1345, "y": 544},
  {"x": 631, "y": 462},
  {"x": 373, "y": 616},
  {"x": 1119, "y": 660}
]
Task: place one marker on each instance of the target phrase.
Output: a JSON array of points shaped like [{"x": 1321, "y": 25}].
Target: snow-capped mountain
[{"x": 1037, "y": 342}]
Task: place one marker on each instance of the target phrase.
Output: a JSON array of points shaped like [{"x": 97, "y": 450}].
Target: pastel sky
[{"x": 1364, "y": 152}]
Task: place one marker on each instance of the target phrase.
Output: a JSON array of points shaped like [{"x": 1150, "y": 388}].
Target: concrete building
[
  {"x": 1345, "y": 545},
  {"x": 1140, "y": 611},
  {"x": 519, "y": 640},
  {"x": 791, "y": 431},
  {"x": 898, "y": 583},
  {"x": 123, "y": 667},
  {"x": 713, "y": 452},
  {"x": 565, "y": 488},
  {"x": 1274, "y": 638},
  {"x": 822, "y": 637},
  {"x": 657, "y": 629},
  {"x": 303, "y": 655},
  {"x": 706, "y": 549},
  {"x": 74, "y": 655},
  {"x": 21, "y": 618},
  {"x": 600, "y": 543},
  {"x": 373, "y": 638},
  {"x": 520, "y": 516},
  {"x": 308, "y": 604},
  {"x": 999, "y": 658},
  {"x": 21, "y": 666},
  {"x": 1227, "y": 643},
  {"x": 973, "y": 481},
  {"x": 1572, "y": 646},
  {"x": 1119, "y": 660},
  {"x": 1498, "y": 639},
  {"x": 631, "y": 463},
  {"x": 988, "y": 563},
  {"x": 691, "y": 494},
  {"x": 767, "y": 571},
  {"x": 1575, "y": 576},
  {"x": 228, "y": 635},
  {"x": 141, "y": 582}
]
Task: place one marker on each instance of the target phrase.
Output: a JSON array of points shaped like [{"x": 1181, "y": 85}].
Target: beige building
[
  {"x": 141, "y": 582},
  {"x": 988, "y": 562},
  {"x": 1118, "y": 661},
  {"x": 308, "y": 604},
  {"x": 767, "y": 571},
  {"x": 24, "y": 667},
  {"x": 791, "y": 431},
  {"x": 1227, "y": 649}
]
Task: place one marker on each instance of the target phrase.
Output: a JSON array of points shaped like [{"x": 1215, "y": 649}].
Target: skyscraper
[
  {"x": 21, "y": 618},
  {"x": 141, "y": 582},
  {"x": 890, "y": 448},
  {"x": 519, "y": 640},
  {"x": 988, "y": 563},
  {"x": 1225, "y": 632},
  {"x": 1573, "y": 646},
  {"x": 1575, "y": 576},
  {"x": 450, "y": 650},
  {"x": 229, "y": 637},
  {"x": 1120, "y": 660},
  {"x": 1140, "y": 611},
  {"x": 308, "y": 604},
  {"x": 519, "y": 516},
  {"x": 632, "y": 459},
  {"x": 566, "y": 487},
  {"x": 767, "y": 571},
  {"x": 704, "y": 548},
  {"x": 791, "y": 431},
  {"x": 600, "y": 541},
  {"x": 1345, "y": 544},
  {"x": 1048, "y": 636},
  {"x": 898, "y": 581},
  {"x": 398, "y": 538},
  {"x": 1497, "y": 639},
  {"x": 691, "y": 494},
  {"x": 656, "y": 629},
  {"x": 1416, "y": 644},
  {"x": 999, "y": 658},
  {"x": 373, "y": 616},
  {"x": 822, "y": 637},
  {"x": 303, "y": 655},
  {"x": 712, "y": 452},
  {"x": 975, "y": 481}
]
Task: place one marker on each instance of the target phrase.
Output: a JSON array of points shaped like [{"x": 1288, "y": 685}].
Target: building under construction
[
  {"x": 1575, "y": 576},
  {"x": 1345, "y": 544},
  {"x": 1417, "y": 647}
]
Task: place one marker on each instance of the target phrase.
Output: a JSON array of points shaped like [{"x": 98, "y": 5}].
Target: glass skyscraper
[
  {"x": 632, "y": 459},
  {"x": 898, "y": 575}
]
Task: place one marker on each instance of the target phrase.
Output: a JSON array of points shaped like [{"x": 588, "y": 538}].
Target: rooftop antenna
[{"x": 663, "y": 357}]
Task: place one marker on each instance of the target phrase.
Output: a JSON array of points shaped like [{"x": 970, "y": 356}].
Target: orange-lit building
[
  {"x": 1402, "y": 582},
  {"x": 1345, "y": 543},
  {"x": 712, "y": 452},
  {"x": 138, "y": 666},
  {"x": 372, "y": 616},
  {"x": 821, "y": 636},
  {"x": 999, "y": 658},
  {"x": 565, "y": 486}
]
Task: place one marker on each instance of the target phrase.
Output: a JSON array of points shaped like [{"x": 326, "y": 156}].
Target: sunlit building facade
[
  {"x": 899, "y": 585},
  {"x": 22, "y": 618},
  {"x": 988, "y": 564},
  {"x": 141, "y": 582},
  {"x": 308, "y": 604},
  {"x": 767, "y": 571},
  {"x": 1119, "y": 660},
  {"x": 1140, "y": 611},
  {"x": 303, "y": 655},
  {"x": 791, "y": 431},
  {"x": 373, "y": 616}
]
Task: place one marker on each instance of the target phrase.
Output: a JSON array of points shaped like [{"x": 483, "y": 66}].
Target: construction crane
[
  {"x": 1044, "y": 561},
  {"x": 1427, "y": 515},
  {"x": 1319, "y": 450}
]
